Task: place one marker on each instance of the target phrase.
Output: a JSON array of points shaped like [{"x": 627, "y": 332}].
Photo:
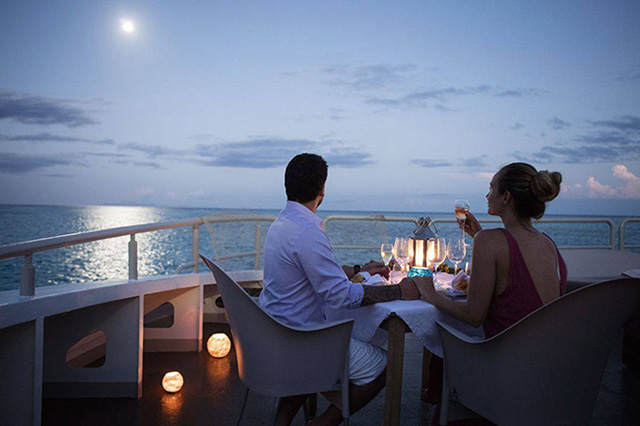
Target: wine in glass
[
  {"x": 436, "y": 253},
  {"x": 462, "y": 208},
  {"x": 401, "y": 252},
  {"x": 386, "y": 252},
  {"x": 456, "y": 251}
]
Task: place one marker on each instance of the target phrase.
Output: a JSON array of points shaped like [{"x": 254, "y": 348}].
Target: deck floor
[{"x": 213, "y": 395}]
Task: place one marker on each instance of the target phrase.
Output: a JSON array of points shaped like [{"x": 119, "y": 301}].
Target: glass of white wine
[
  {"x": 461, "y": 208},
  {"x": 386, "y": 252}
]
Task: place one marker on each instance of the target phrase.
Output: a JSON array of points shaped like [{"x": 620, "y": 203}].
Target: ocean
[{"x": 162, "y": 252}]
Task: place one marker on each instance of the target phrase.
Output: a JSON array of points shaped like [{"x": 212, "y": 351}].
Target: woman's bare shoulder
[{"x": 491, "y": 240}]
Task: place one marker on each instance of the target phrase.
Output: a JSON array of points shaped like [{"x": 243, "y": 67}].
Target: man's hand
[
  {"x": 377, "y": 268},
  {"x": 471, "y": 225},
  {"x": 426, "y": 288},
  {"x": 408, "y": 290}
]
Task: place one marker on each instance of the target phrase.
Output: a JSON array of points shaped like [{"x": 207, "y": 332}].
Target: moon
[{"x": 127, "y": 25}]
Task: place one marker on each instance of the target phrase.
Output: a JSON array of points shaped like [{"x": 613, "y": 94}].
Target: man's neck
[{"x": 311, "y": 205}]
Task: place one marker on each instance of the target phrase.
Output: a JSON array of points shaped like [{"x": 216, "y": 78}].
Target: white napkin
[
  {"x": 372, "y": 279},
  {"x": 453, "y": 290},
  {"x": 632, "y": 273}
]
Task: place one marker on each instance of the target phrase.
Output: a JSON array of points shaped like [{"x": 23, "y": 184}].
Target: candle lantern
[
  {"x": 418, "y": 242},
  {"x": 218, "y": 345},
  {"x": 172, "y": 382}
]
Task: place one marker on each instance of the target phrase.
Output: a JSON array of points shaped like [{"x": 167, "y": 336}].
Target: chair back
[
  {"x": 547, "y": 368},
  {"x": 277, "y": 360}
]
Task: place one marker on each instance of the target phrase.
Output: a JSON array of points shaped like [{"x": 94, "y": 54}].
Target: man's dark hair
[{"x": 304, "y": 177}]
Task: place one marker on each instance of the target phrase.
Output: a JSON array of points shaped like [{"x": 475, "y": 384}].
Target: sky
[{"x": 413, "y": 104}]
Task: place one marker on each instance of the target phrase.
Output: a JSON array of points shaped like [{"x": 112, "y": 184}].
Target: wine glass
[
  {"x": 436, "y": 253},
  {"x": 456, "y": 251},
  {"x": 386, "y": 252},
  {"x": 401, "y": 252},
  {"x": 461, "y": 208}
]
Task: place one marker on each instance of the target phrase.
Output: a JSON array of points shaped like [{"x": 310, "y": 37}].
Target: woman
[{"x": 516, "y": 269}]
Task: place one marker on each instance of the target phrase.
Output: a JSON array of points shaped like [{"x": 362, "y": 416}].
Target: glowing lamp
[
  {"x": 419, "y": 243},
  {"x": 218, "y": 345},
  {"x": 172, "y": 382}
]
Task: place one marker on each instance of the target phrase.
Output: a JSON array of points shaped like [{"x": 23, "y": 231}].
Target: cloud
[
  {"x": 48, "y": 137},
  {"x": 626, "y": 123},
  {"x": 627, "y": 76},
  {"x": 613, "y": 140},
  {"x": 626, "y": 185},
  {"x": 516, "y": 126},
  {"x": 20, "y": 164},
  {"x": 40, "y": 110},
  {"x": 153, "y": 151},
  {"x": 150, "y": 164},
  {"x": 557, "y": 124},
  {"x": 518, "y": 93},
  {"x": 429, "y": 163},
  {"x": 367, "y": 77},
  {"x": 423, "y": 98},
  {"x": 273, "y": 152},
  {"x": 475, "y": 161}
]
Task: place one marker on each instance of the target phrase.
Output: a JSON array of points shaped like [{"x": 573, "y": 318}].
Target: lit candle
[
  {"x": 466, "y": 267},
  {"x": 431, "y": 251},
  {"x": 419, "y": 259},
  {"x": 218, "y": 345},
  {"x": 172, "y": 382}
]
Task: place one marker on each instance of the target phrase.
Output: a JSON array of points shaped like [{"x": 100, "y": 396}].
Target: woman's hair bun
[{"x": 545, "y": 185}]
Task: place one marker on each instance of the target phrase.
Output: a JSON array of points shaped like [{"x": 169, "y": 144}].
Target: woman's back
[{"x": 527, "y": 266}]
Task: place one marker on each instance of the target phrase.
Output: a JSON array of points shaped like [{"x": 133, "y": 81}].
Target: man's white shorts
[{"x": 366, "y": 362}]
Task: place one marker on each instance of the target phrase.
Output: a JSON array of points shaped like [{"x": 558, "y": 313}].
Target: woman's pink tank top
[{"x": 521, "y": 297}]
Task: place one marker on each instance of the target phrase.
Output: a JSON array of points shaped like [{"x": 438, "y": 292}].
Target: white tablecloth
[{"x": 419, "y": 315}]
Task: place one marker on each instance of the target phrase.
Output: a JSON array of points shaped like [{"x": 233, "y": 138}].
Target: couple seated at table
[{"x": 302, "y": 279}]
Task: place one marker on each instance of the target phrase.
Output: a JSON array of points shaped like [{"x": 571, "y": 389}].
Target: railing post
[
  {"x": 133, "y": 258},
  {"x": 621, "y": 235},
  {"x": 28, "y": 277},
  {"x": 195, "y": 248},
  {"x": 256, "y": 262}
]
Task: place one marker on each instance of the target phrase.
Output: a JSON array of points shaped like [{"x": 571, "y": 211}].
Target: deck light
[
  {"x": 172, "y": 382},
  {"x": 218, "y": 345}
]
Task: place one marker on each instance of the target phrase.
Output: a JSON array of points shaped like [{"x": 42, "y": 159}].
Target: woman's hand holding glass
[{"x": 471, "y": 225}]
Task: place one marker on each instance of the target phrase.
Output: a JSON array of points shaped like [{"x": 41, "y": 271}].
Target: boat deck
[{"x": 213, "y": 395}]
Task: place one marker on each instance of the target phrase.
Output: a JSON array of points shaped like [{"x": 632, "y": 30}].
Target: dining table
[{"x": 399, "y": 317}]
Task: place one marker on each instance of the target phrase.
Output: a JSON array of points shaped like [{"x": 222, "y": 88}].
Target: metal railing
[
  {"x": 28, "y": 248},
  {"x": 621, "y": 232},
  {"x": 609, "y": 222}
]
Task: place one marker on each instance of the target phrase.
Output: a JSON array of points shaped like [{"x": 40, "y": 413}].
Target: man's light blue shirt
[{"x": 301, "y": 275}]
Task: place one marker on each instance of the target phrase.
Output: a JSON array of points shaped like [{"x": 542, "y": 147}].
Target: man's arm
[{"x": 406, "y": 290}]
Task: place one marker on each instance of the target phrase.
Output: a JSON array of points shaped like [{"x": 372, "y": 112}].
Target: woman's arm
[{"x": 481, "y": 286}]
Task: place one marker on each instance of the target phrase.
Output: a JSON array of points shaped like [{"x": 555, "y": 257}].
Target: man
[{"x": 302, "y": 279}]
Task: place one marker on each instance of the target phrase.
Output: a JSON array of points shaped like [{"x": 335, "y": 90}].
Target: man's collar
[{"x": 305, "y": 211}]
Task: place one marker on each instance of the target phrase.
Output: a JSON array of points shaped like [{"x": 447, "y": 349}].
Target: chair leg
[
  {"x": 444, "y": 401},
  {"x": 426, "y": 360},
  {"x": 275, "y": 411},
  {"x": 244, "y": 404},
  {"x": 310, "y": 407}
]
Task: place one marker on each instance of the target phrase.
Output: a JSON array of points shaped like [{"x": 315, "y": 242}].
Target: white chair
[
  {"x": 545, "y": 369},
  {"x": 277, "y": 360}
]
